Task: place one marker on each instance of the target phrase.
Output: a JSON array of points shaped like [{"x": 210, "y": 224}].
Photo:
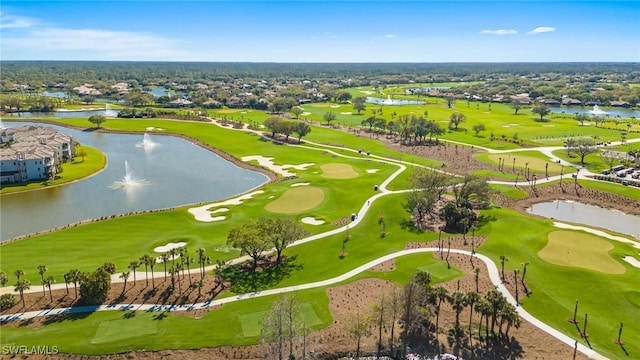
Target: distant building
[
  {"x": 179, "y": 103},
  {"x": 33, "y": 153}
]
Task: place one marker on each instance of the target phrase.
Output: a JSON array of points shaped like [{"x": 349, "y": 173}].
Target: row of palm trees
[{"x": 75, "y": 276}]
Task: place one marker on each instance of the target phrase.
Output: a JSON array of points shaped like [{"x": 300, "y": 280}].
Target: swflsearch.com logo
[{"x": 29, "y": 350}]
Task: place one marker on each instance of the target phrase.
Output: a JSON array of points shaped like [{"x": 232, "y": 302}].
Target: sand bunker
[
  {"x": 169, "y": 246},
  {"x": 576, "y": 249},
  {"x": 202, "y": 213},
  {"x": 151, "y": 128},
  {"x": 278, "y": 169},
  {"x": 338, "y": 171},
  {"x": 306, "y": 113},
  {"x": 335, "y": 106},
  {"x": 629, "y": 259},
  {"x": 300, "y": 184},
  {"x": 313, "y": 221},
  {"x": 373, "y": 171},
  {"x": 346, "y": 113},
  {"x": 296, "y": 200}
]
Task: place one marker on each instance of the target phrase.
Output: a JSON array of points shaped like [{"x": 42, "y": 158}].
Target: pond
[
  {"x": 611, "y": 113},
  {"x": 589, "y": 215},
  {"x": 392, "y": 102},
  {"x": 169, "y": 171}
]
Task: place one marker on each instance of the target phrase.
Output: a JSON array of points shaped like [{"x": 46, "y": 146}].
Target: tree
[
  {"x": 478, "y": 128},
  {"x": 581, "y": 118},
  {"x": 7, "y": 301},
  {"x": 73, "y": 276},
  {"x": 48, "y": 282},
  {"x": 144, "y": 260},
  {"x": 124, "y": 276},
  {"x": 250, "y": 240},
  {"x": 344, "y": 97},
  {"x": 496, "y": 302},
  {"x": 359, "y": 104},
  {"x": 358, "y": 328},
  {"x": 19, "y": 273},
  {"x": 440, "y": 294},
  {"x": 280, "y": 233},
  {"x": 95, "y": 286},
  {"x": 582, "y": 147},
  {"x": 428, "y": 189},
  {"x": 41, "y": 270},
  {"x": 203, "y": 259},
  {"x": 282, "y": 323},
  {"x": 133, "y": 266},
  {"x": 471, "y": 299},
  {"x": 516, "y": 105},
  {"x": 97, "y": 120},
  {"x": 164, "y": 258},
  {"x": 329, "y": 116},
  {"x": 297, "y": 111},
  {"x": 456, "y": 119},
  {"x": 458, "y": 303},
  {"x": 20, "y": 287},
  {"x": 541, "y": 110},
  {"x": 287, "y": 128},
  {"x": 274, "y": 124},
  {"x": 302, "y": 129},
  {"x": 370, "y": 121},
  {"x": 4, "y": 279},
  {"x": 503, "y": 259}
]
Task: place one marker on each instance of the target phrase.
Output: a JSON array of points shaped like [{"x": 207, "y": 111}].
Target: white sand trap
[
  {"x": 306, "y": 113},
  {"x": 548, "y": 125},
  {"x": 312, "y": 221},
  {"x": 169, "y": 246},
  {"x": 300, "y": 184},
  {"x": 335, "y": 106},
  {"x": 373, "y": 171},
  {"x": 346, "y": 113},
  {"x": 585, "y": 124},
  {"x": 630, "y": 260},
  {"x": 202, "y": 213},
  {"x": 278, "y": 169},
  {"x": 514, "y": 124},
  {"x": 368, "y": 92},
  {"x": 152, "y": 128},
  {"x": 506, "y": 126}
]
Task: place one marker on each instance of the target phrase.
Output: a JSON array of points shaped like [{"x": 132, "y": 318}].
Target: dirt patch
[{"x": 388, "y": 265}]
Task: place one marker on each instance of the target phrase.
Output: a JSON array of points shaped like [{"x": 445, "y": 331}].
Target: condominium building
[{"x": 33, "y": 153}]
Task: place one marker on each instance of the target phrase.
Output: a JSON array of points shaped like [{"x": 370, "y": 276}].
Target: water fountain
[
  {"x": 147, "y": 144},
  {"x": 597, "y": 112},
  {"x": 108, "y": 112},
  {"x": 128, "y": 181},
  {"x": 388, "y": 101}
]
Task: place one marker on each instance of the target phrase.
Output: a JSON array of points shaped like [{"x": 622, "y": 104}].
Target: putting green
[
  {"x": 535, "y": 164},
  {"x": 297, "y": 200},
  {"x": 338, "y": 171},
  {"x": 120, "y": 329},
  {"x": 576, "y": 249},
  {"x": 251, "y": 323}
]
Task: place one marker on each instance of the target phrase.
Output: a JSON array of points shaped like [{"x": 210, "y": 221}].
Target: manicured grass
[
  {"x": 575, "y": 249},
  {"x": 251, "y": 323},
  {"x": 627, "y": 191},
  {"x": 510, "y": 191},
  {"x": 121, "y": 329},
  {"x": 555, "y": 288},
  {"x": 338, "y": 171},
  {"x": 79, "y": 168},
  {"x": 537, "y": 162},
  {"x": 296, "y": 200}
]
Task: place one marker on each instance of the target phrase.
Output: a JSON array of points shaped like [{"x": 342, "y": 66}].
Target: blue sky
[{"x": 321, "y": 31}]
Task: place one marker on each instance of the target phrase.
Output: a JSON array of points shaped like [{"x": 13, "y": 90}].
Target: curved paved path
[{"x": 492, "y": 268}]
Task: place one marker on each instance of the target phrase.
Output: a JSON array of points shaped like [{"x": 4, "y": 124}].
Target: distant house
[
  {"x": 550, "y": 102},
  {"x": 571, "y": 102},
  {"x": 234, "y": 102},
  {"x": 594, "y": 103},
  {"x": 620, "y": 103},
  {"x": 304, "y": 101},
  {"x": 179, "y": 103},
  {"x": 212, "y": 104}
]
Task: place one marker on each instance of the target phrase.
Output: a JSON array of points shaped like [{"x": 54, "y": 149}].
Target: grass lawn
[
  {"x": 81, "y": 167},
  {"x": 296, "y": 200},
  {"x": 575, "y": 249}
]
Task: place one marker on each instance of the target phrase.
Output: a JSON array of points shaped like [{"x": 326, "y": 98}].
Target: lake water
[
  {"x": 623, "y": 113},
  {"x": 64, "y": 114},
  {"x": 162, "y": 91},
  {"x": 176, "y": 171},
  {"x": 392, "y": 102},
  {"x": 589, "y": 215}
]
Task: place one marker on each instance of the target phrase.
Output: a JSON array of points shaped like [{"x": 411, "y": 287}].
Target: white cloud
[
  {"x": 499, "y": 32},
  {"x": 389, "y": 36},
  {"x": 16, "y": 22},
  {"x": 542, "y": 29}
]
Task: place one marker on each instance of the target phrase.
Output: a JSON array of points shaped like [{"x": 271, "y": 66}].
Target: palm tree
[
  {"x": 67, "y": 280},
  {"x": 441, "y": 293},
  {"x": 471, "y": 299},
  {"x": 198, "y": 284},
  {"x": 188, "y": 260},
  {"x": 477, "y": 271},
  {"x": 164, "y": 257},
  {"x": 496, "y": 302},
  {"x": 75, "y": 276},
  {"x": 152, "y": 263},
  {"x": 458, "y": 303},
  {"x": 482, "y": 306},
  {"x": 202, "y": 258},
  {"x": 503, "y": 259},
  {"x": 124, "y": 276},
  {"x": 4, "y": 279},
  {"x": 19, "y": 273},
  {"x": 511, "y": 317},
  {"x": 144, "y": 260},
  {"x": 41, "y": 270},
  {"x": 48, "y": 282},
  {"x": 133, "y": 266},
  {"x": 21, "y": 286}
]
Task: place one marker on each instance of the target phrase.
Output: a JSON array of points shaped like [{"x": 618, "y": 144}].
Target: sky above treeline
[{"x": 322, "y": 31}]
